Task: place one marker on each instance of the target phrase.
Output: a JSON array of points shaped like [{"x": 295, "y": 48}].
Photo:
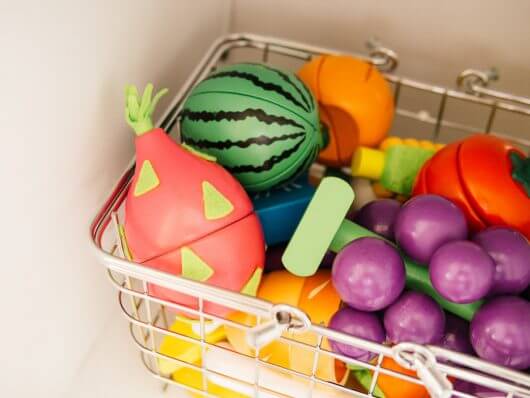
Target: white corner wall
[
  {"x": 63, "y": 68},
  {"x": 436, "y": 40}
]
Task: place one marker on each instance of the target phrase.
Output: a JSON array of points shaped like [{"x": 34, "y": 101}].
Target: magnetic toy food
[
  {"x": 486, "y": 177},
  {"x": 355, "y": 102},
  {"x": 259, "y": 122},
  {"x": 183, "y": 210}
]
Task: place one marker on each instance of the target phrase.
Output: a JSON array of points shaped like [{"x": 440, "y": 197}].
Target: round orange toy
[
  {"x": 314, "y": 295},
  {"x": 355, "y": 101},
  {"x": 486, "y": 177}
]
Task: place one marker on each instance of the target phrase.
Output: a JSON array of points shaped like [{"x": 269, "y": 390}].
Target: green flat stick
[{"x": 314, "y": 234}]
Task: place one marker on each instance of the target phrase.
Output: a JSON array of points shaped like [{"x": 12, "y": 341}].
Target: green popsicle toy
[{"x": 324, "y": 227}]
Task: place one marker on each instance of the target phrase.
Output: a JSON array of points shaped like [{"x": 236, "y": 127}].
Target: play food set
[
  {"x": 379, "y": 216},
  {"x": 461, "y": 271},
  {"x": 444, "y": 221},
  {"x": 182, "y": 210},
  {"x": 236, "y": 191},
  {"x": 281, "y": 209},
  {"x": 259, "y": 122},
  {"x": 486, "y": 177},
  {"x": 355, "y": 102},
  {"x": 368, "y": 274}
]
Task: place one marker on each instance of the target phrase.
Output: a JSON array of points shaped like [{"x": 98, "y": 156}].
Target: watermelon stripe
[
  {"x": 300, "y": 169},
  {"x": 259, "y": 140},
  {"x": 268, "y": 164},
  {"x": 290, "y": 82},
  {"x": 259, "y": 83},
  {"x": 262, "y": 116},
  {"x": 307, "y": 92}
]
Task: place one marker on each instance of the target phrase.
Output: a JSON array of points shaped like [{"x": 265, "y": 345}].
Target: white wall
[
  {"x": 64, "y": 143},
  {"x": 435, "y": 40}
]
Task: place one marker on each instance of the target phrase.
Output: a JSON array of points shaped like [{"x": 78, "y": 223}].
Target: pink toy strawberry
[{"x": 186, "y": 215}]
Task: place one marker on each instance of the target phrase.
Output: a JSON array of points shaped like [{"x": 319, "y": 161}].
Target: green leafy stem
[
  {"x": 521, "y": 170},
  {"x": 139, "y": 110}
]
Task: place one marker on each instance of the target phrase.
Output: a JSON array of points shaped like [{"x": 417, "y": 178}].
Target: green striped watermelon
[{"x": 260, "y": 123}]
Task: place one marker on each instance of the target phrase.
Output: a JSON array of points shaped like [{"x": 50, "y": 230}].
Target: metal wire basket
[{"x": 255, "y": 376}]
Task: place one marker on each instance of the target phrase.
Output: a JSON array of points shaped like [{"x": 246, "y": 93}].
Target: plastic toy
[
  {"x": 410, "y": 142},
  {"x": 456, "y": 335},
  {"x": 389, "y": 386},
  {"x": 319, "y": 300},
  {"x": 511, "y": 253},
  {"x": 324, "y": 227},
  {"x": 355, "y": 102},
  {"x": 499, "y": 332},
  {"x": 425, "y": 223},
  {"x": 359, "y": 324},
  {"x": 183, "y": 210},
  {"x": 379, "y": 216},
  {"x": 414, "y": 318},
  {"x": 461, "y": 271},
  {"x": 484, "y": 176},
  {"x": 368, "y": 274},
  {"x": 280, "y": 210},
  {"x": 395, "y": 168},
  {"x": 260, "y": 123}
]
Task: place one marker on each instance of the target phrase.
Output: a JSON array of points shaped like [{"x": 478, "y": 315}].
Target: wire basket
[{"x": 424, "y": 110}]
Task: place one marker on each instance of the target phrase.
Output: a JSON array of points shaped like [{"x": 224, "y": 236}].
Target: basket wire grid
[{"x": 149, "y": 317}]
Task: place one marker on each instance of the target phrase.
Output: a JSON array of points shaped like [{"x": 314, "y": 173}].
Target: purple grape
[
  {"x": 461, "y": 271},
  {"x": 415, "y": 318},
  {"x": 500, "y": 332},
  {"x": 368, "y": 274},
  {"x": 425, "y": 223},
  {"x": 511, "y": 253},
  {"x": 359, "y": 324},
  {"x": 456, "y": 335},
  {"x": 379, "y": 216}
]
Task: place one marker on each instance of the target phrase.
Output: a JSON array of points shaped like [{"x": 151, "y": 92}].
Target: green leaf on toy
[
  {"x": 251, "y": 287},
  {"x": 147, "y": 180},
  {"x": 194, "y": 267},
  {"x": 364, "y": 376},
  {"x": 402, "y": 165},
  {"x": 215, "y": 204},
  {"x": 521, "y": 170}
]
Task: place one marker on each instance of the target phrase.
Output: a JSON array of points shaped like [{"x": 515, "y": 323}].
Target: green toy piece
[
  {"x": 139, "y": 110},
  {"x": 324, "y": 227},
  {"x": 314, "y": 234},
  {"x": 259, "y": 122},
  {"x": 521, "y": 170}
]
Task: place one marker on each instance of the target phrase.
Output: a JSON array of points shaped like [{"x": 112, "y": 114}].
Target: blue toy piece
[{"x": 280, "y": 210}]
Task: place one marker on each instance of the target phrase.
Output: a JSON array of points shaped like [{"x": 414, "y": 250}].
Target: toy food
[
  {"x": 324, "y": 227},
  {"x": 410, "y": 142},
  {"x": 355, "y": 102},
  {"x": 415, "y": 318},
  {"x": 260, "y": 123},
  {"x": 456, "y": 335},
  {"x": 183, "y": 210},
  {"x": 461, "y": 271},
  {"x": 425, "y": 223},
  {"x": 359, "y": 324},
  {"x": 484, "y": 176},
  {"x": 511, "y": 254},
  {"x": 395, "y": 168},
  {"x": 280, "y": 210},
  {"x": 379, "y": 217},
  {"x": 499, "y": 332},
  {"x": 319, "y": 300},
  {"x": 368, "y": 274}
]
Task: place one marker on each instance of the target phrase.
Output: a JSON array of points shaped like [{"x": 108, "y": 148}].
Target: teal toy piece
[
  {"x": 260, "y": 123},
  {"x": 323, "y": 226},
  {"x": 281, "y": 209}
]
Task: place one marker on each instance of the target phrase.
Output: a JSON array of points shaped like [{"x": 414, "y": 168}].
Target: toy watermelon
[
  {"x": 260, "y": 123},
  {"x": 186, "y": 215}
]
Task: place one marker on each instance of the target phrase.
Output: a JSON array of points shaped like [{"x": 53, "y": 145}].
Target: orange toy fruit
[
  {"x": 318, "y": 299},
  {"x": 486, "y": 177},
  {"x": 355, "y": 101}
]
